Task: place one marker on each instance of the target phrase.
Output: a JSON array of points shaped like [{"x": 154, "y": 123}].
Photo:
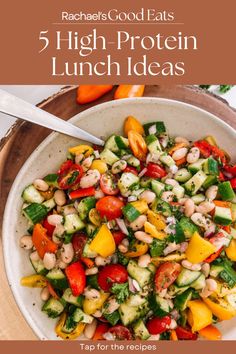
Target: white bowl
[{"x": 102, "y": 120}]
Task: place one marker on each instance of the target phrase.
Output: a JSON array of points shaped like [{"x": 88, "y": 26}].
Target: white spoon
[{"x": 18, "y": 108}]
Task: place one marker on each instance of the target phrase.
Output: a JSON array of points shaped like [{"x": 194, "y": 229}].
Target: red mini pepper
[
  {"x": 76, "y": 276},
  {"x": 82, "y": 192},
  {"x": 207, "y": 150}
]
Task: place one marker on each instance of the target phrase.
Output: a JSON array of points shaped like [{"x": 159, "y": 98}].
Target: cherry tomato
[
  {"x": 155, "y": 171},
  {"x": 233, "y": 183},
  {"x": 158, "y": 325},
  {"x": 65, "y": 166},
  {"x": 120, "y": 332},
  {"x": 118, "y": 237},
  {"x": 207, "y": 149},
  {"x": 70, "y": 176},
  {"x": 166, "y": 274},
  {"x": 221, "y": 177},
  {"x": 50, "y": 228},
  {"x": 110, "y": 274},
  {"x": 132, "y": 170},
  {"x": 101, "y": 329},
  {"x": 110, "y": 207},
  {"x": 108, "y": 184},
  {"x": 184, "y": 333},
  {"x": 230, "y": 169},
  {"x": 78, "y": 243}
]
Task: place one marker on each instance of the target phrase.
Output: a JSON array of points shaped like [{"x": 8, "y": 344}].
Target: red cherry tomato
[
  {"x": 118, "y": 237},
  {"x": 50, "y": 228},
  {"x": 108, "y": 184},
  {"x": 110, "y": 274},
  {"x": 101, "y": 329},
  {"x": 78, "y": 243},
  {"x": 132, "y": 170},
  {"x": 158, "y": 325},
  {"x": 233, "y": 183},
  {"x": 230, "y": 169},
  {"x": 69, "y": 175},
  {"x": 155, "y": 171},
  {"x": 207, "y": 149},
  {"x": 184, "y": 333},
  {"x": 110, "y": 207},
  {"x": 120, "y": 332},
  {"x": 166, "y": 274},
  {"x": 221, "y": 177},
  {"x": 76, "y": 277}
]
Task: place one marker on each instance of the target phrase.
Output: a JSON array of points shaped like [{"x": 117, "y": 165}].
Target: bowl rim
[{"x": 99, "y": 107}]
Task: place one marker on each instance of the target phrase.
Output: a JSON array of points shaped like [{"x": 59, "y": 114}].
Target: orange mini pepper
[
  {"x": 137, "y": 145},
  {"x": 210, "y": 332},
  {"x": 42, "y": 242},
  {"x": 90, "y": 93},
  {"x": 128, "y": 91}
]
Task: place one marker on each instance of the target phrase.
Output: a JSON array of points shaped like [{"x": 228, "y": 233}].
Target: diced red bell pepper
[
  {"x": 131, "y": 169},
  {"x": 82, "y": 192},
  {"x": 185, "y": 334},
  {"x": 155, "y": 171},
  {"x": 76, "y": 276},
  {"x": 233, "y": 183},
  {"x": 221, "y": 176}
]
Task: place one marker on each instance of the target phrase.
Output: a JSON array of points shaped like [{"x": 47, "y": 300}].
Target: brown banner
[
  {"x": 132, "y": 42},
  {"x": 28, "y": 347}
]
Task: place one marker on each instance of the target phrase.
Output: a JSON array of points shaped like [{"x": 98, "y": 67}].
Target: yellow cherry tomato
[
  {"x": 99, "y": 165},
  {"x": 90, "y": 306}
]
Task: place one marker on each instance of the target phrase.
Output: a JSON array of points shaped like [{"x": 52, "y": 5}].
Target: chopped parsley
[{"x": 121, "y": 291}]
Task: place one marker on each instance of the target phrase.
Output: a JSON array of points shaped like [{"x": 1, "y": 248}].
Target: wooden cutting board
[{"x": 23, "y": 138}]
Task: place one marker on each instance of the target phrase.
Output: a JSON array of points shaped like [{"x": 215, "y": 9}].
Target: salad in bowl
[{"x": 135, "y": 240}]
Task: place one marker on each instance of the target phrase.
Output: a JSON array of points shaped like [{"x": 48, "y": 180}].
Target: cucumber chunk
[
  {"x": 57, "y": 278},
  {"x": 140, "y": 330},
  {"x": 81, "y": 316},
  {"x": 159, "y": 305},
  {"x": 187, "y": 277},
  {"x": 32, "y": 195},
  {"x": 53, "y": 308},
  {"x": 181, "y": 301},
  {"x": 73, "y": 223},
  {"x": 35, "y": 212},
  {"x": 71, "y": 299},
  {"x": 195, "y": 183},
  {"x": 142, "y": 275},
  {"x": 157, "y": 187},
  {"x": 222, "y": 216},
  {"x": 109, "y": 157}
]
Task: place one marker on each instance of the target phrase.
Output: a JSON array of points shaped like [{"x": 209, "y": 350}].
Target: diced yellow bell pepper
[
  {"x": 156, "y": 219},
  {"x": 86, "y": 150},
  {"x": 34, "y": 281},
  {"x": 231, "y": 250},
  {"x": 140, "y": 249},
  {"x": 99, "y": 165},
  {"x": 74, "y": 334},
  {"x": 151, "y": 230},
  {"x": 211, "y": 140},
  {"x": 199, "y": 315},
  {"x": 176, "y": 257},
  {"x": 141, "y": 206},
  {"x": 222, "y": 310},
  {"x": 103, "y": 243},
  {"x": 199, "y": 249},
  {"x": 90, "y": 306}
]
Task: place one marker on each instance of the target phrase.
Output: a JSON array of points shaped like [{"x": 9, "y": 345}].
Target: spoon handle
[{"x": 18, "y": 108}]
